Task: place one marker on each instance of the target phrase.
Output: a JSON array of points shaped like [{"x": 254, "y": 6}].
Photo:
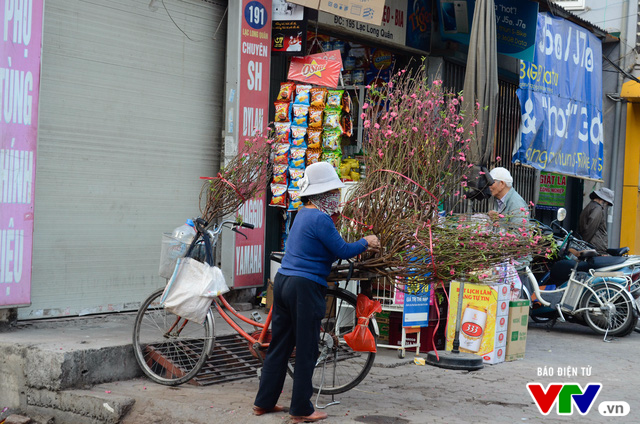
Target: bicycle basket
[{"x": 171, "y": 250}]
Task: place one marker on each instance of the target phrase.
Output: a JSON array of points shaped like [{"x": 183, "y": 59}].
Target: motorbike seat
[
  {"x": 587, "y": 254},
  {"x": 618, "y": 252},
  {"x": 561, "y": 270}
]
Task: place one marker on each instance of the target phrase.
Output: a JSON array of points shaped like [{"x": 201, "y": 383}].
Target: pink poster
[
  {"x": 255, "y": 57},
  {"x": 19, "y": 93}
]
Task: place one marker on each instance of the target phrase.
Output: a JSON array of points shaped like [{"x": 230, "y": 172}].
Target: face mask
[{"x": 326, "y": 202}]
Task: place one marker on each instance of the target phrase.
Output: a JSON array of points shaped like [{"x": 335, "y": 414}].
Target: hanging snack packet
[
  {"x": 346, "y": 102},
  {"x": 314, "y": 139},
  {"x": 299, "y": 115},
  {"x": 281, "y": 132},
  {"x": 318, "y": 96},
  {"x": 334, "y": 158},
  {"x": 298, "y": 136},
  {"x": 331, "y": 120},
  {"x": 331, "y": 140},
  {"x": 315, "y": 117},
  {"x": 295, "y": 175},
  {"x": 346, "y": 124},
  {"x": 313, "y": 156},
  {"x": 281, "y": 154},
  {"x": 294, "y": 200},
  {"x": 279, "y": 195},
  {"x": 282, "y": 112},
  {"x": 334, "y": 99},
  {"x": 280, "y": 174},
  {"x": 302, "y": 94},
  {"x": 295, "y": 154},
  {"x": 286, "y": 91}
]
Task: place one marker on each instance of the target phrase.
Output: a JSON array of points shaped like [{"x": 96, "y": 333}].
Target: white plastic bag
[
  {"x": 217, "y": 285},
  {"x": 183, "y": 293}
]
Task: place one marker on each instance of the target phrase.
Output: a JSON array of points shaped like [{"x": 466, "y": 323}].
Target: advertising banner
[
  {"x": 253, "y": 107},
  {"x": 315, "y": 70},
  {"x": 553, "y": 188},
  {"x": 368, "y": 11},
  {"x": 515, "y": 24},
  {"x": 561, "y": 101},
  {"x": 289, "y": 27},
  {"x": 20, "y": 71}
]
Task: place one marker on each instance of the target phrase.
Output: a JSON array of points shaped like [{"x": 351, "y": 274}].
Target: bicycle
[{"x": 171, "y": 350}]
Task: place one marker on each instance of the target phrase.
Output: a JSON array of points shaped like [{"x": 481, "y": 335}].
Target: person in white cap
[
  {"x": 299, "y": 292},
  {"x": 508, "y": 202},
  {"x": 592, "y": 224}
]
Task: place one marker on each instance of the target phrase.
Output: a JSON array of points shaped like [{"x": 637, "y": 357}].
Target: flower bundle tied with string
[{"x": 415, "y": 152}]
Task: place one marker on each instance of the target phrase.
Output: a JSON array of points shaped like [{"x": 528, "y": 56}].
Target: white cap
[
  {"x": 319, "y": 177},
  {"x": 501, "y": 174}
]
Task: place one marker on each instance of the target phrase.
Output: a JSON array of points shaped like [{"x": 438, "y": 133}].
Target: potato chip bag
[
  {"x": 286, "y": 91},
  {"x": 279, "y": 174},
  {"x": 294, "y": 200},
  {"x": 313, "y": 156},
  {"x": 318, "y": 96},
  {"x": 299, "y": 114},
  {"x": 279, "y": 195},
  {"x": 331, "y": 140},
  {"x": 302, "y": 94},
  {"x": 282, "y": 112},
  {"x": 314, "y": 139},
  {"x": 315, "y": 117},
  {"x": 332, "y": 120},
  {"x": 334, "y": 99}
]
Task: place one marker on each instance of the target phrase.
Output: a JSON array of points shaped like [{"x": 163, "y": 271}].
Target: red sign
[
  {"x": 316, "y": 69},
  {"x": 253, "y": 104}
]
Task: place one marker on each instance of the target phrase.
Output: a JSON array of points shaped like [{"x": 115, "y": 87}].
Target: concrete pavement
[{"x": 82, "y": 370}]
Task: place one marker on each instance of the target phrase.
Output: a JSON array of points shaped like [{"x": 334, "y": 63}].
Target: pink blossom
[
  {"x": 415, "y": 129},
  {"x": 376, "y": 126},
  {"x": 364, "y": 106},
  {"x": 380, "y": 153},
  {"x": 498, "y": 158}
]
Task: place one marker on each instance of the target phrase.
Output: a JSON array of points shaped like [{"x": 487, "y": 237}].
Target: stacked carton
[
  {"x": 484, "y": 320},
  {"x": 517, "y": 329}
]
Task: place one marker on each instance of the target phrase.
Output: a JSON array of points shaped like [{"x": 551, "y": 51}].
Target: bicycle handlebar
[{"x": 247, "y": 225}]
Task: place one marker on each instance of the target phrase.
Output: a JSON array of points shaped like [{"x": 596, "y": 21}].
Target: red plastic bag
[{"x": 361, "y": 339}]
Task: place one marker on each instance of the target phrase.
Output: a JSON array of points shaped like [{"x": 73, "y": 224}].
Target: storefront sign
[
  {"x": 392, "y": 28},
  {"x": 553, "y": 188},
  {"x": 367, "y": 11},
  {"x": 419, "y": 18},
  {"x": 515, "y": 24},
  {"x": 289, "y": 28},
  {"x": 561, "y": 101},
  {"x": 20, "y": 56},
  {"x": 248, "y": 65},
  {"x": 315, "y": 70}
]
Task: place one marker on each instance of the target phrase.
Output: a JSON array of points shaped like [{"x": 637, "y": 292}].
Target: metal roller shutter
[{"x": 130, "y": 118}]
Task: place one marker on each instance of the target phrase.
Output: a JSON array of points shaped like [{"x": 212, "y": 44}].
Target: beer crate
[{"x": 485, "y": 309}]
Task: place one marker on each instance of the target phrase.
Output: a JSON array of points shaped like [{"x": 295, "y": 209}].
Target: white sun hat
[
  {"x": 501, "y": 174},
  {"x": 319, "y": 177}
]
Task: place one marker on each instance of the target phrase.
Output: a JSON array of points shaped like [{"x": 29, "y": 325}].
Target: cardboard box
[
  {"x": 517, "y": 329},
  {"x": 485, "y": 310}
]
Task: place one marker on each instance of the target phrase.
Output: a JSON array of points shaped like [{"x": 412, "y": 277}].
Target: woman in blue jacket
[{"x": 299, "y": 292}]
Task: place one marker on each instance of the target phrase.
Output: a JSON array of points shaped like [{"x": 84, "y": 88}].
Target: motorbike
[{"x": 588, "y": 289}]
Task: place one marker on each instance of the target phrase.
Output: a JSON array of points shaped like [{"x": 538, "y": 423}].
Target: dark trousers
[{"x": 298, "y": 308}]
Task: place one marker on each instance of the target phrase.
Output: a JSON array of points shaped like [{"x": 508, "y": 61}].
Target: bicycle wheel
[
  {"x": 637, "y": 325},
  {"x": 617, "y": 316},
  {"x": 338, "y": 368},
  {"x": 169, "y": 349}
]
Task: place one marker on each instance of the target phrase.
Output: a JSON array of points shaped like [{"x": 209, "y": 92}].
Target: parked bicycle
[{"x": 172, "y": 350}]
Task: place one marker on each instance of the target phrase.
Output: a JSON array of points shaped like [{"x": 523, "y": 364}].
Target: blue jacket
[{"x": 314, "y": 244}]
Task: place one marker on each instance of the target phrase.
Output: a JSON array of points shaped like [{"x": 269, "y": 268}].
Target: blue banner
[{"x": 561, "y": 101}]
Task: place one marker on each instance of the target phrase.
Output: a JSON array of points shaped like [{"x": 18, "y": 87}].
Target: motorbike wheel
[{"x": 618, "y": 317}]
